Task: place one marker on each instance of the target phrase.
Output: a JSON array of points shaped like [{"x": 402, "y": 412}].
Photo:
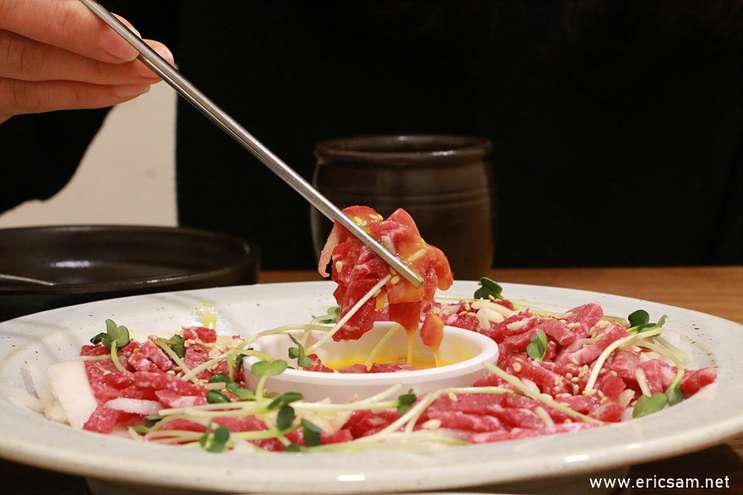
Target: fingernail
[
  {"x": 144, "y": 71},
  {"x": 148, "y": 73},
  {"x": 165, "y": 53},
  {"x": 116, "y": 46},
  {"x": 131, "y": 90}
]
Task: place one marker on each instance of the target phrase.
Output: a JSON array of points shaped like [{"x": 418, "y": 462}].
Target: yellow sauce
[
  {"x": 420, "y": 363},
  {"x": 206, "y": 315}
]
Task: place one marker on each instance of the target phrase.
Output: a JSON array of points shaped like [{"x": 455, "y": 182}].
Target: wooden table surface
[{"x": 714, "y": 290}]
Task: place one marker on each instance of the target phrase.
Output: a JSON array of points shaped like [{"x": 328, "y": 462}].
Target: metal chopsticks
[{"x": 188, "y": 91}]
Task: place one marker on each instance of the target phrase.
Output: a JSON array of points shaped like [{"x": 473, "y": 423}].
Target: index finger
[{"x": 67, "y": 24}]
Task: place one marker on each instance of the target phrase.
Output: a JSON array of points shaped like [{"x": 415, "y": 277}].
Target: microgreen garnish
[
  {"x": 640, "y": 322},
  {"x": 216, "y": 397},
  {"x": 239, "y": 362},
  {"x": 488, "y": 288},
  {"x": 284, "y": 400},
  {"x": 235, "y": 363},
  {"x": 298, "y": 353},
  {"x": 264, "y": 368},
  {"x": 231, "y": 386},
  {"x": 405, "y": 402},
  {"x": 152, "y": 419},
  {"x": 649, "y": 404},
  {"x": 115, "y": 337},
  {"x": 215, "y": 440},
  {"x": 639, "y": 317},
  {"x": 220, "y": 378},
  {"x": 674, "y": 395},
  {"x": 334, "y": 312},
  {"x": 311, "y": 433},
  {"x": 285, "y": 418},
  {"x": 239, "y": 392},
  {"x": 538, "y": 347},
  {"x": 178, "y": 345}
]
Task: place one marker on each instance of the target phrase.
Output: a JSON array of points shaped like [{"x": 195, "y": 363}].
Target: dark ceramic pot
[
  {"x": 87, "y": 263},
  {"x": 444, "y": 182}
]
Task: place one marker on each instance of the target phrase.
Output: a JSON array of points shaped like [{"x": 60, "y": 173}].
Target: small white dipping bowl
[{"x": 465, "y": 349}]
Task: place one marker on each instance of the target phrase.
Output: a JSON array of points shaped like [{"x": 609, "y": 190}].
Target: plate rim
[{"x": 390, "y": 479}]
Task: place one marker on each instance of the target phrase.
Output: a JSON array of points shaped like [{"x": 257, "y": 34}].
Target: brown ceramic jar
[{"x": 444, "y": 182}]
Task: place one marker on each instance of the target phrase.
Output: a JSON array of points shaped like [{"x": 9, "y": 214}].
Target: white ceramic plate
[{"x": 57, "y": 335}]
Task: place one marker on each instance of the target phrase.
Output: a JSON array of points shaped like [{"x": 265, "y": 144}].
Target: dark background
[{"x": 616, "y": 124}]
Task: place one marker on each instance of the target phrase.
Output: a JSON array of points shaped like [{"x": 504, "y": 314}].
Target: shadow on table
[{"x": 19, "y": 479}]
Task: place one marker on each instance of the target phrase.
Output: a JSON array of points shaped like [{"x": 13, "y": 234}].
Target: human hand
[{"x": 57, "y": 55}]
